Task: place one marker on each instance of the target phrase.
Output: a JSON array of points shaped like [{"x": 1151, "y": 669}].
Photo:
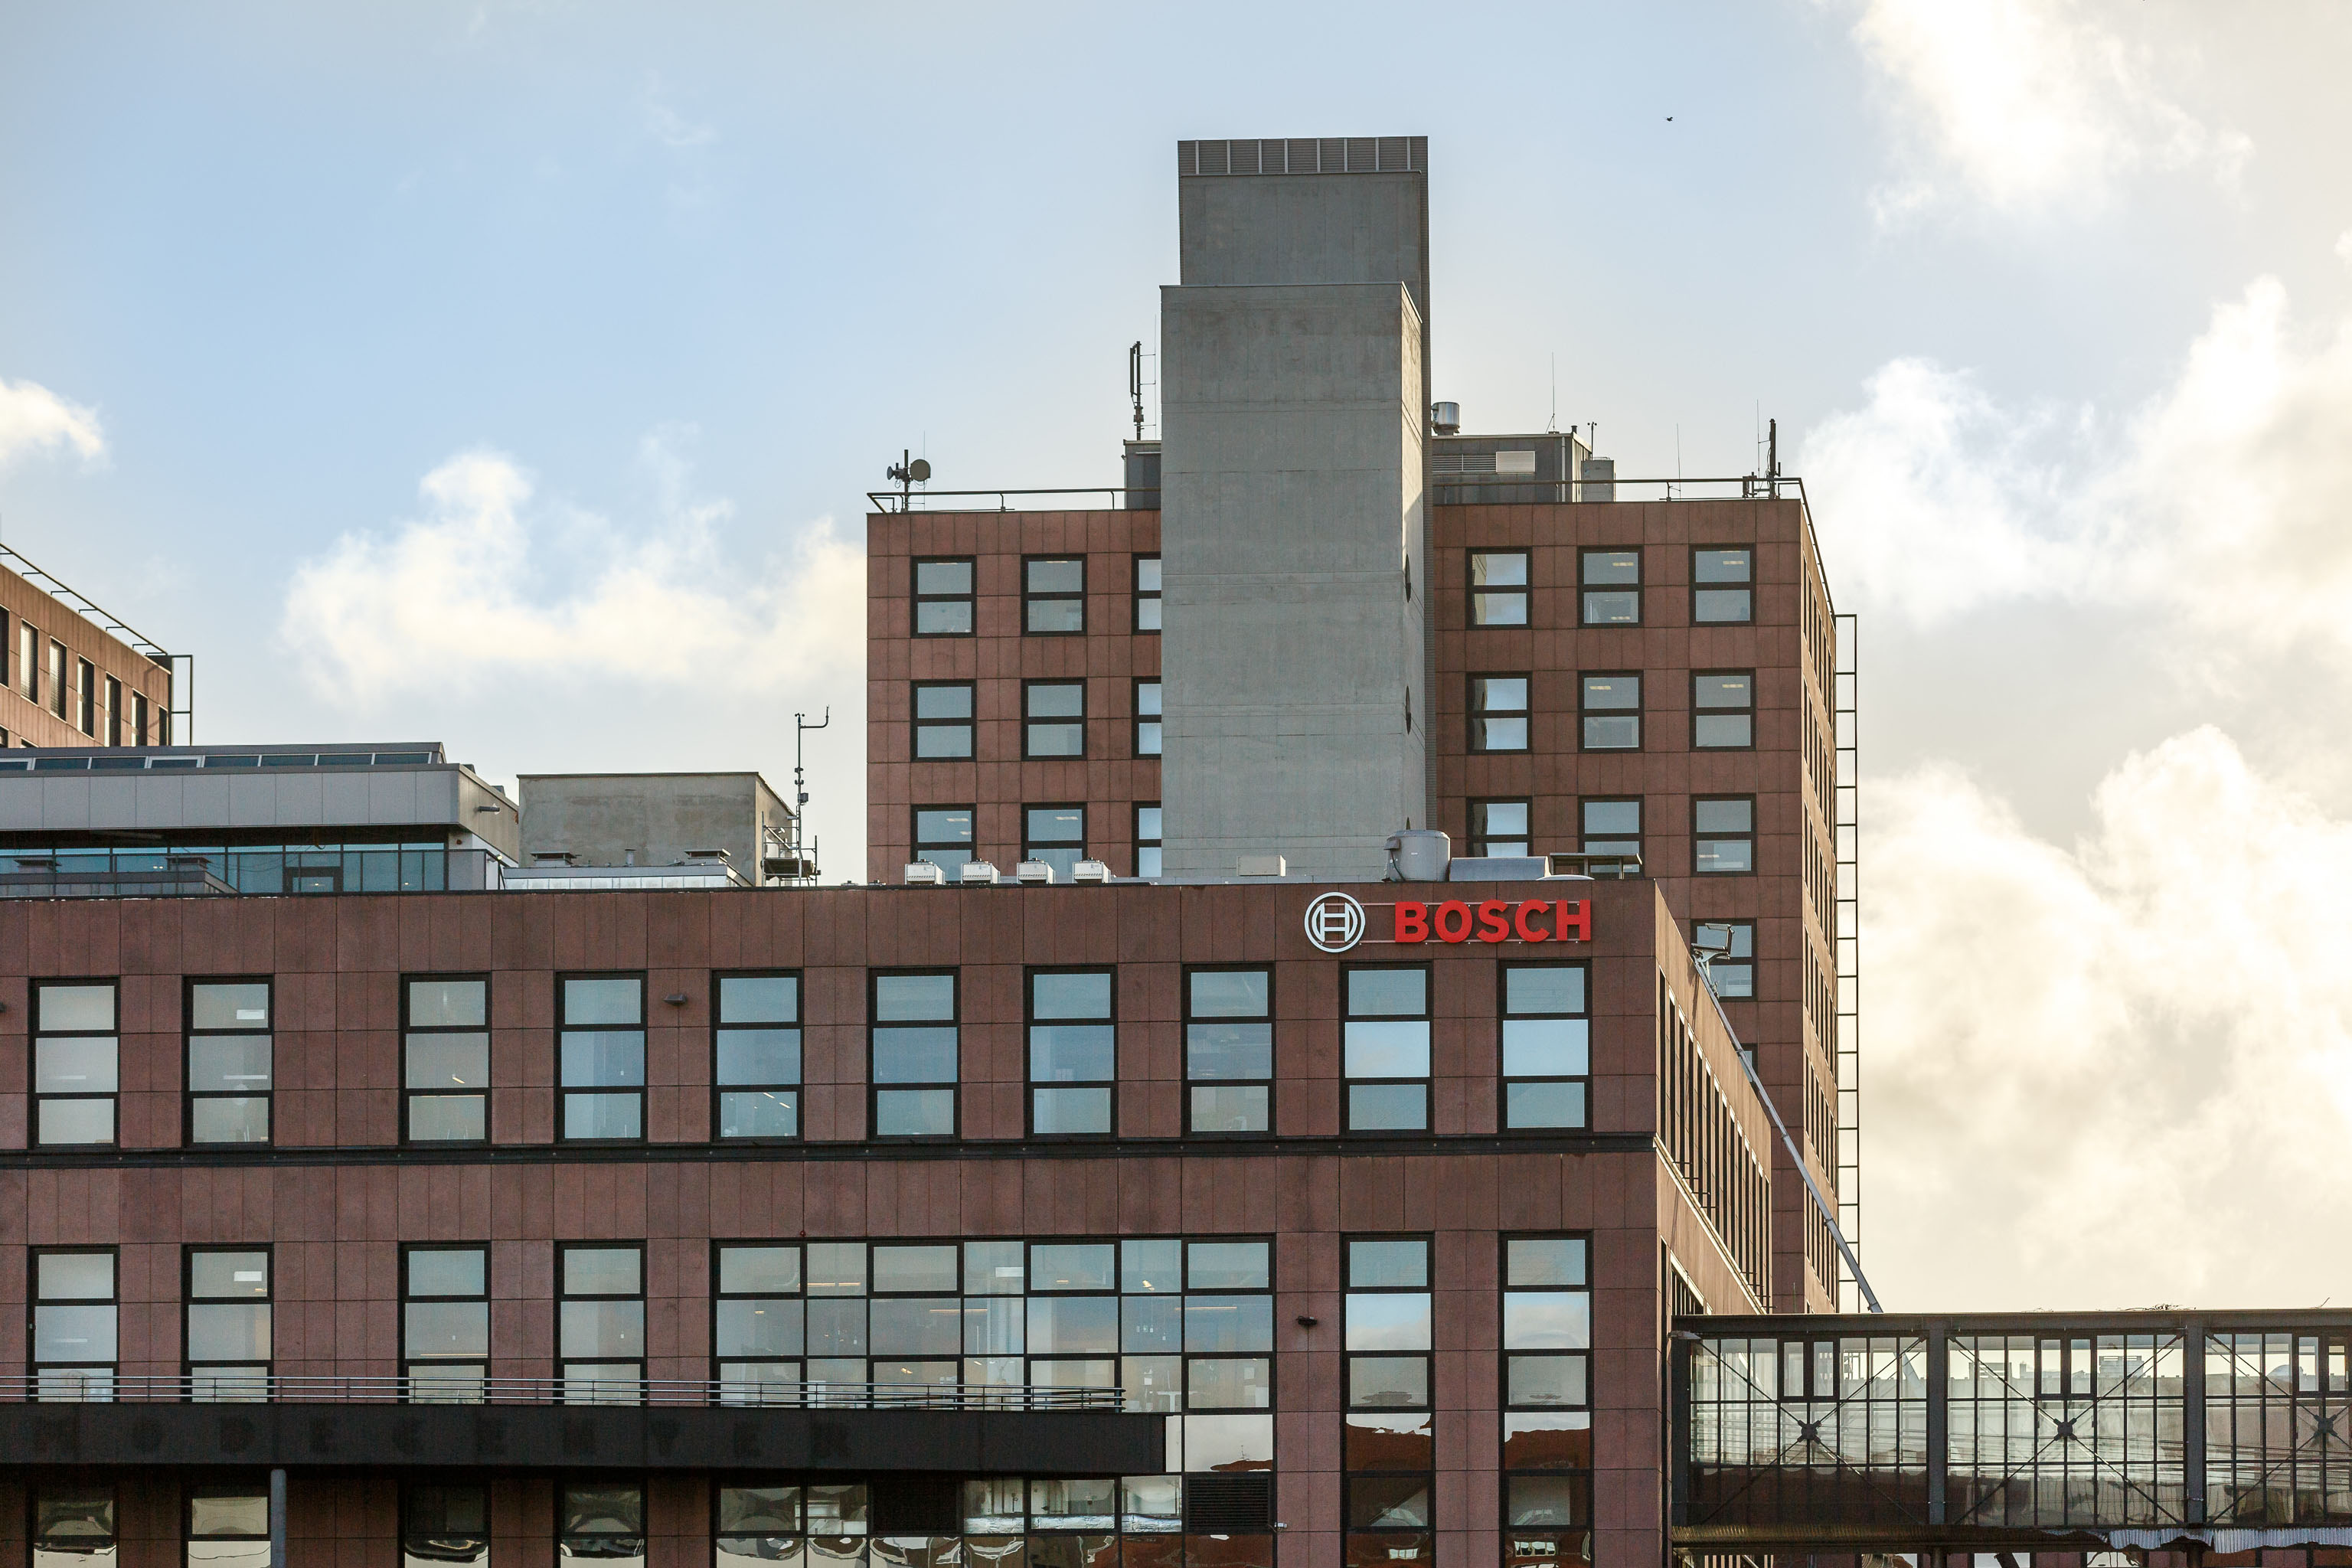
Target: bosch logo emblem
[{"x": 1335, "y": 923}]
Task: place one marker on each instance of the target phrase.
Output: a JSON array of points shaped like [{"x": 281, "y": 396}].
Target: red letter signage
[{"x": 1412, "y": 922}]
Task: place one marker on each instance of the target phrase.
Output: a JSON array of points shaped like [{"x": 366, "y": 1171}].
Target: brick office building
[
  {"x": 1202, "y": 1220},
  {"x": 72, "y": 675}
]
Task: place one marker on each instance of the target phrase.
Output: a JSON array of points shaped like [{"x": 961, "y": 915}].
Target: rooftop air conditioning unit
[
  {"x": 1034, "y": 873},
  {"x": 923, "y": 874},
  {"x": 977, "y": 874},
  {"x": 1089, "y": 871}
]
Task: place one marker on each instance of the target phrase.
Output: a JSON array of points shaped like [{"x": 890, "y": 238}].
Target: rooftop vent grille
[{"x": 1329, "y": 155}]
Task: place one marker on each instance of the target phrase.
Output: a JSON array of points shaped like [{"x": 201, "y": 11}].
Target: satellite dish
[{"x": 919, "y": 469}]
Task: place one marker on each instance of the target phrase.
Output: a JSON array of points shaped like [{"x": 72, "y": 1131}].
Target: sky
[{"x": 511, "y": 374}]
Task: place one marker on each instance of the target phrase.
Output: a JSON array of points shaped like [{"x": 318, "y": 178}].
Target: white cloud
[
  {"x": 2027, "y": 106},
  {"x": 32, "y": 419},
  {"x": 666, "y": 125},
  {"x": 452, "y": 601},
  {"x": 2222, "y": 500},
  {"x": 2114, "y": 1074}
]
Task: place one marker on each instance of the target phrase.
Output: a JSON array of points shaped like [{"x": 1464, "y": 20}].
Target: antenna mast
[
  {"x": 804, "y": 859},
  {"x": 1135, "y": 383}
]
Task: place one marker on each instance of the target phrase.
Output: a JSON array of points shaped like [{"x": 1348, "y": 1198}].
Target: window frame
[
  {"x": 1030, "y": 597},
  {"x": 1028, "y": 724},
  {"x": 1523, "y": 590},
  {"x": 1586, "y": 714},
  {"x": 1032, "y": 1084},
  {"x": 1478, "y": 713},
  {"x": 408, "y": 1363},
  {"x": 38, "y": 1099},
  {"x": 1156, "y": 843},
  {"x": 1156, "y": 721},
  {"x": 1155, "y": 596},
  {"x": 1700, "y": 587},
  {"x": 1270, "y": 1083},
  {"x": 918, "y": 598},
  {"x": 1030, "y": 845},
  {"x": 916, "y": 845},
  {"x": 562, "y": 1295},
  {"x": 86, "y": 697},
  {"x": 93, "y": 1371},
  {"x": 202, "y": 1489},
  {"x": 1505, "y": 1079},
  {"x": 1586, "y": 588},
  {"x": 1581, "y": 1479},
  {"x": 190, "y": 1034},
  {"x": 918, "y": 725},
  {"x": 64, "y": 1489},
  {"x": 190, "y": 1301},
  {"x": 1696, "y": 711},
  {"x": 874, "y": 1091},
  {"x": 564, "y": 1091},
  {"x": 408, "y": 1095},
  {"x": 1483, "y": 844},
  {"x": 1426, "y": 1083},
  {"x": 410, "y": 1487},
  {"x": 1699, "y": 837},
  {"x": 720, "y": 1089},
  {"x": 750, "y": 1392},
  {"x": 1641, "y": 835},
  {"x": 602, "y": 1482},
  {"x": 57, "y": 685},
  {"x": 1351, "y": 1473},
  {"x": 1731, "y": 955}
]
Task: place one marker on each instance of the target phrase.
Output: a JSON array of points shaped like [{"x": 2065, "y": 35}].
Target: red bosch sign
[{"x": 1496, "y": 919}]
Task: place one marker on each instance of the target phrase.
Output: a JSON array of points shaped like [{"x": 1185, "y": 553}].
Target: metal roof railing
[
  {"x": 83, "y": 605},
  {"x": 68, "y": 1385}
]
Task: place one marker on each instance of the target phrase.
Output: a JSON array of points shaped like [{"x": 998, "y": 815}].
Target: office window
[
  {"x": 943, "y": 598},
  {"x": 1546, "y": 1046},
  {"x": 915, "y": 1328},
  {"x": 756, "y": 1055},
  {"x": 1229, "y": 1050},
  {"x": 75, "y": 1062},
  {"x": 942, "y": 720},
  {"x": 28, "y": 659},
  {"x": 138, "y": 719},
  {"x": 601, "y": 1324},
  {"x": 60, "y": 693},
  {"x": 445, "y": 1060},
  {"x": 1054, "y": 595},
  {"x": 943, "y": 835},
  {"x": 1723, "y": 835},
  {"x": 757, "y": 1319},
  {"x": 1054, "y": 715},
  {"x": 1612, "y": 587},
  {"x": 1498, "y": 587},
  {"x": 1546, "y": 1417},
  {"x": 760, "y": 1524},
  {"x": 8, "y": 674},
  {"x": 1721, "y": 585},
  {"x": 1147, "y": 718},
  {"x": 444, "y": 1524},
  {"x": 113, "y": 711},
  {"x": 1611, "y": 712},
  {"x": 1228, "y": 1360},
  {"x": 229, "y": 1061},
  {"x": 85, "y": 698},
  {"x": 1056, "y": 835},
  {"x": 227, "y": 1526},
  {"x": 73, "y": 1526},
  {"x": 1498, "y": 712},
  {"x": 1723, "y": 710},
  {"x": 1499, "y": 826},
  {"x": 74, "y": 1322},
  {"x": 601, "y": 1057},
  {"x": 1390, "y": 1454},
  {"x": 1610, "y": 826},
  {"x": 1734, "y": 974},
  {"x": 1385, "y": 1048},
  {"x": 1147, "y": 838},
  {"x": 444, "y": 1322},
  {"x": 915, "y": 1056},
  {"x": 602, "y": 1519},
  {"x": 227, "y": 1344},
  {"x": 1147, "y": 592},
  {"x": 1073, "y": 1053}
]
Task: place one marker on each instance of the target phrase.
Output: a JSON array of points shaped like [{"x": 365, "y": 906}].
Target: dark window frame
[
  {"x": 1351, "y": 1473},
  {"x": 1030, "y": 1083},
  {"x": 37, "y": 1098},
  {"x": 916, "y": 845},
  {"x": 1699, "y": 837},
  {"x": 1030, "y": 597},
  {"x": 564, "y": 1090},
  {"x": 1473, "y": 590},
  {"x": 799, "y": 1086},
  {"x": 1581, "y": 1481},
  {"x": 1732, "y": 958},
  {"x": 189, "y": 1034},
  {"x": 1748, "y": 712},
  {"x": 1481, "y": 843},
  {"x": 1641, "y": 837},
  {"x": 1029, "y": 845},
  {"x": 918, "y": 724},
  {"x": 407, "y": 1295},
  {"x": 1478, "y": 713},
  {"x": 719, "y": 1247},
  {"x": 874, "y": 977},
  {"x": 1427, "y": 1082},
  {"x": 86, "y": 697},
  {"x": 408, "y": 1097},
  {"x": 1029, "y": 755},
  {"x": 1270, "y": 1083},
  {"x": 642, "y": 1298},
  {"x": 600, "y": 1482},
  {"x": 1152, "y": 596},
  {"x": 189, "y": 1252},
  {"x": 1586, "y": 588},
  {"x": 203, "y": 1488},
  {"x": 1504, "y": 1079},
  {"x": 1156, "y": 842},
  {"x": 34, "y": 1367},
  {"x": 66, "y": 1487},
  {"x": 1585, "y": 714},
  {"x": 1157, "y": 722},
  {"x": 1698, "y": 588},
  {"x": 410, "y": 1487},
  {"x": 970, "y": 601},
  {"x": 1186, "y": 1240}
]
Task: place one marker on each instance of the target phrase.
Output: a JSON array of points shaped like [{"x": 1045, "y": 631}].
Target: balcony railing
[{"x": 65, "y": 1386}]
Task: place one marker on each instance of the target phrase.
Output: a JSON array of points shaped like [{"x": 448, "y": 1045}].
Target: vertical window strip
[
  {"x": 755, "y": 1043},
  {"x": 76, "y": 1063},
  {"x": 445, "y": 1059},
  {"x": 230, "y": 1061}
]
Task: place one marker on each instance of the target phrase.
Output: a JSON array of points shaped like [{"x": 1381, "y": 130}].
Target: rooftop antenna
[
  {"x": 803, "y": 863},
  {"x": 1772, "y": 455},
  {"x": 1135, "y": 383},
  {"x": 908, "y": 472},
  {"x": 1553, "y": 427}
]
